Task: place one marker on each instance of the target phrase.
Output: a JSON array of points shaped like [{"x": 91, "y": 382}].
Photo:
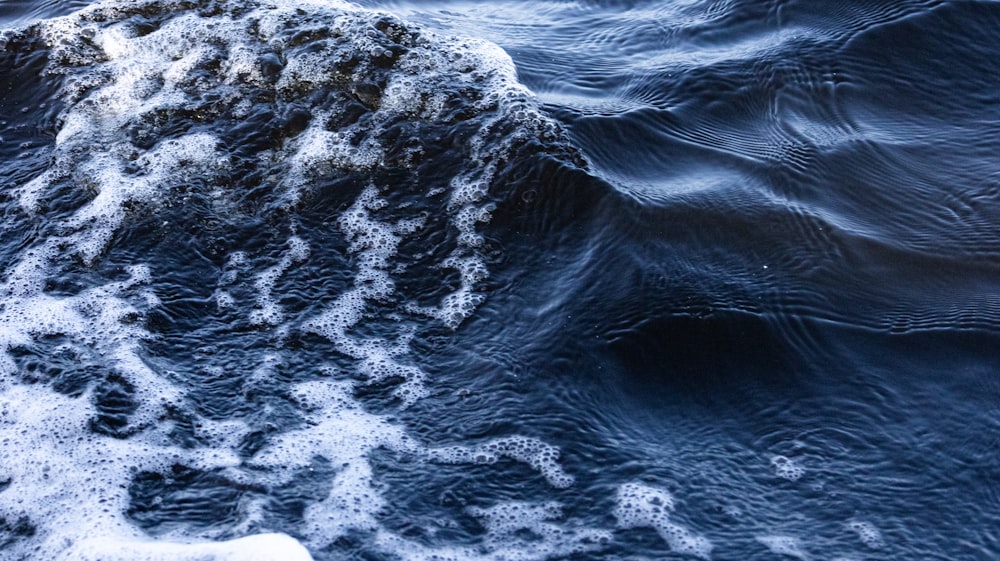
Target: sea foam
[{"x": 156, "y": 98}]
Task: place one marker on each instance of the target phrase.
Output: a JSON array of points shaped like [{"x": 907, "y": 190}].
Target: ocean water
[{"x": 459, "y": 280}]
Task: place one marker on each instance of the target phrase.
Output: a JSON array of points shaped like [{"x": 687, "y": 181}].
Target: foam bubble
[
  {"x": 515, "y": 531},
  {"x": 68, "y": 482},
  {"x": 261, "y": 547},
  {"x": 869, "y": 535},
  {"x": 344, "y": 434},
  {"x": 506, "y": 524},
  {"x": 153, "y": 94},
  {"x": 787, "y": 468},
  {"x": 373, "y": 244},
  {"x": 540, "y": 456},
  {"x": 268, "y": 312},
  {"x": 641, "y": 505},
  {"x": 784, "y": 545},
  {"x": 100, "y": 318}
]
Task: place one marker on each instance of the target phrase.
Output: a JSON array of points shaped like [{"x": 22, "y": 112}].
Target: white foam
[
  {"x": 787, "y": 468},
  {"x": 261, "y": 547},
  {"x": 100, "y": 318},
  {"x": 373, "y": 244},
  {"x": 268, "y": 312},
  {"x": 344, "y": 434},
  {"x": 71, "y": 483},
  {"x": 784, "y": 545},
  {"x": 540, "y": 456},
  {"x": 515, "y": 531},
  {"x": 155, "y": 172},
  {"x": 319, "y": 151},
  {"x": 868, "y": 533},
  {"x": 461, "y": 303},
  {"x": 224, "y": 299},
  {"x": 504, "y": 523},
  {"x": 641, "y": 505}
]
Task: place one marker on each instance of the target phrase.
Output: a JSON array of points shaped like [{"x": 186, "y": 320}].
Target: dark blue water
[{"x": 519, "y": 280}]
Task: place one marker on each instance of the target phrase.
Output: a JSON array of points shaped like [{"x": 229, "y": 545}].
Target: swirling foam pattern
[{"x": 263, "y": 141}]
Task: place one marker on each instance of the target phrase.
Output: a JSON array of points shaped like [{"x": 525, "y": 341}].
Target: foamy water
[
  {"x": 127, "y": 72},
  {"x": 498, "y": 281}
]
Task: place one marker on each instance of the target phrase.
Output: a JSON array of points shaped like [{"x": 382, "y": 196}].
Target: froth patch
[
  {"x": 515, "y": 531},
  {"x": 268, "y": 312},
  {"x": 373, "y": 243},
  {"x": 68, "y": 482},
  {"x": 119, "y": 177},
  {"x": 533, "y": 527},
  {"x": 641, "y": 505},
  {"x": 261, "y": 547},
  {"x": 103, "y": 319},
  {"x": 343, "y": 434},
  {"x": 321, "y": 151},
  {"x": 542, "y": 457},
  {"x": 784, "y": 545},
  {"x": 155, "y": 93},
  {"x": 787, "y": 468},
  {"x": 868, "y": 533}
]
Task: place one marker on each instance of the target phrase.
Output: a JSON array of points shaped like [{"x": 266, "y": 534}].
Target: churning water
[{"x": 288, "y": 280}]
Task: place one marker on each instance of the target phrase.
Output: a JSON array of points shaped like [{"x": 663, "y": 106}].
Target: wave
[{"x": 237, "y": 183}]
